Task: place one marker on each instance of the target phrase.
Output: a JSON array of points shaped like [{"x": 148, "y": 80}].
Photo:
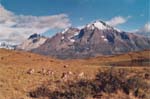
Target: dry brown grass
[
  {"x": 15, "y": 83},
  {"x": 116, "y": 83}
]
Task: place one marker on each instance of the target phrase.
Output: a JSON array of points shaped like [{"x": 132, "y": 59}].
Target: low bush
[{"x": 109, "y": 81}]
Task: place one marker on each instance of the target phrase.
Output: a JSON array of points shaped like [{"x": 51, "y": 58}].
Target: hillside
[
  {"x": 15, "y": 82},
  {"x": 23, "y": 72},
  {"x": 94, "y": 39},
  {"x": 139, "y": 58}
]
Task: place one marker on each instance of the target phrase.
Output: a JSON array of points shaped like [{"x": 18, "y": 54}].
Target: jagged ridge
[{"x": 94, "y": 39}]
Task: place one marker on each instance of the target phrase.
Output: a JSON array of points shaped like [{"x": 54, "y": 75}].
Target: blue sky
[
  {"x": 83, "y": 11},
  {"x": 134, "y": 13}
]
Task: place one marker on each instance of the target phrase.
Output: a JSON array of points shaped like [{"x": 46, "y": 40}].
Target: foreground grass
[
  {"x": 109, "y": 83},
  {"x": 98, "y": 82}
]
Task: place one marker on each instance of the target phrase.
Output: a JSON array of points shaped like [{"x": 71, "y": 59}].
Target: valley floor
[{"x": 25, "y": 75}]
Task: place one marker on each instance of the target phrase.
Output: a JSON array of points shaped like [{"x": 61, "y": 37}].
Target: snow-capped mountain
[
  {"x": 7, "y": 45},
  {"x": 99, "y": 25},
  {"x": 32, "y": 42},
  {"x": 96, "y": 38}
]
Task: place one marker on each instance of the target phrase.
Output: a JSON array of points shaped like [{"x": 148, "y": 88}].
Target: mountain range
[
  {"x": 94, "y": 39},
  {"x": 7, "y": 45}
]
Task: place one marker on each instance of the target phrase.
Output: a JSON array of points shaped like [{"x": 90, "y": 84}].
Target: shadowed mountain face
[{"x": 94, "y": 39}]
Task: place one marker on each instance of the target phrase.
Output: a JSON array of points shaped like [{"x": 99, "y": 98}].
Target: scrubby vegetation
[
  {"x": 108, "y": 84},
  {"x": 23, "y": 76}
]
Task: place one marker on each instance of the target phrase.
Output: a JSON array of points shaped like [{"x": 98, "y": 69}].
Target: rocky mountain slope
[
  {"x": 32, "y": 42},
  {"x": 95, "y": 39}
]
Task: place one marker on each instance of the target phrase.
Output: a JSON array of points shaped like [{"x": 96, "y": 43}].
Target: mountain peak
[
  {"x": 101, "y": 25},
  {"x": 34, "y": 41},
  {"x": 99, "y": 22},
  {"x": 70, "y": 29},
  {"x": 35, "y": 35}
]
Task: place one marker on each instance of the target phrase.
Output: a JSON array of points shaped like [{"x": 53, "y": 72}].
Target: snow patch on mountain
[
  {"x": 7, "y": 45},
  {"x": 99, "y": 25},
  {"x": 102, "y": 36},
  {"x": 77, "y": 33},
  {"x": 117, "y": 29},
  {"x": 64, "y": 31},
  {"x": 105, "y": 40},
  {"x": 62, "y": 38},
  {"x": 72, "y": 40}
]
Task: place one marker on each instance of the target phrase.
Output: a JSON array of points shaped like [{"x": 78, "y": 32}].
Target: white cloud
[
  {"x": 114, "y": 21},
  {"x": 117, "y": 20},
  {"x": 145, "y": 28},
  {"x": 17, "y": 28}
]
